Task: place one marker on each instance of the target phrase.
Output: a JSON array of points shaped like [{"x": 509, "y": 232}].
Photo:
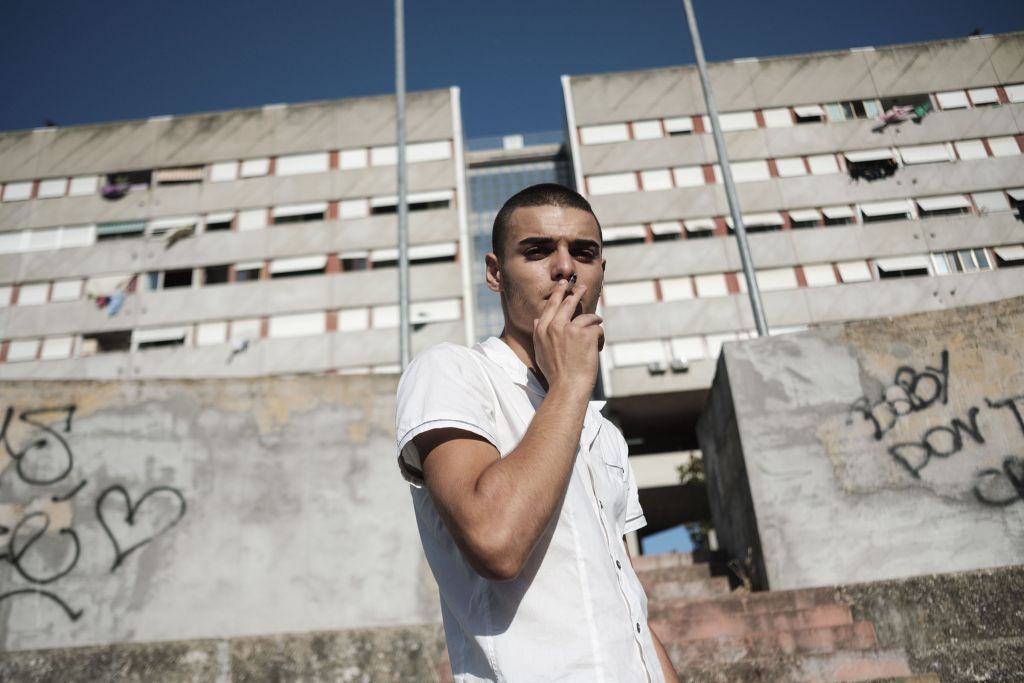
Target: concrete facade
[
  {"x": 304, "y": 191},
  {"x": 168, "y": 511},
  {"x": 871, "y": 450}
]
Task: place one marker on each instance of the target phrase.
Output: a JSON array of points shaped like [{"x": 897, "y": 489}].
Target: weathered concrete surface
[
  {"x": 965, "y": 627},
  {"x": 871, "y": 450},
  {"x": 169, "y": 511},
  {"x": 383, "y": 655}
]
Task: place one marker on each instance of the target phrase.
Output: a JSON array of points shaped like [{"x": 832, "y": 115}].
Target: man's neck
[{"x": 522, "y": 346}]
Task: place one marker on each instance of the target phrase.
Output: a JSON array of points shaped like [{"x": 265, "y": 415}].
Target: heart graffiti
[{"x": 131, "y": 510}]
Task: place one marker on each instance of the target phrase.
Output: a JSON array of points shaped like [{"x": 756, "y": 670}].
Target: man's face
[{"x": 544, "y": 245}]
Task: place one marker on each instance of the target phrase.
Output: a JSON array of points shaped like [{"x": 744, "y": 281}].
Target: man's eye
[
  {"x": 534, "y": 252},
  {"x": 586, "y": 255}
]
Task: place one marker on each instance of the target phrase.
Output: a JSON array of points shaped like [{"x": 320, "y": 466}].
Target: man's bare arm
[
  {"x": 667, "y": 669},
  {"x": 497, "y": 508}
]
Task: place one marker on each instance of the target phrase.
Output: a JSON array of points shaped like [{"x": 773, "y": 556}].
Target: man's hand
[{"x": 565, "y": 347}]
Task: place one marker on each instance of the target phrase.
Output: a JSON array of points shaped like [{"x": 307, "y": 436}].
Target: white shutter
[
  {"x": 681, "y": 124},
  {"x": 252, "y": 219},
  {"x": 990, "y": 202},
  {"x": 297, "y": 164},
  {"x": 353, "y": 319},
  {"x": 619, "y": 233},
  {"x": 5, "y": 295},
  {"x": 954, "y": 99},
  {"x": 16, "y": 192},
  {"x": 647, "y": 130},
  {"x": 819, "y": 275},
  {"x": 626, "y": 293},
  {"x": 711, "y": 285},
  {"x": 220, "y": 217},
  {"x": 791, "y": 167},
  {"x": 715, "y": 342},
  {"x": 944, "y": 203},
  {"x": 43, "y": 240},
  {"x": 1015, "y": 93},
  {"x": 434, "y": 196},
  {"x": 869, "y": 155},
  {"x": 52, "y": 187},
  {"x": 82, "y": 185},
  {"x": 777, "y": 118},
  {"x": 699, "y": 224},
  {"x": 385, "y": 317},
  {"x": 688, "y": 176},
  {"x": 804, "y": 215},
  {"x": 611, "y": 132},
  {"x": 971, "y": 149},
  {"x": 611, "y": 183},
  {"x": 773, "y": 218},
  {"x": 737, "y": 120},
  {"x": 208, "y": 334},
  {"x": 834, "y": 212},
  {"x": 748, "y": 171},
  {"x": 159, "y": 225},
  {"x": 688, "y": 348},
  {"x": 924, "y": 154},
  {"x": 898, "y": 263},
  {"x": 385, "y": 155},
  {"x": 13, "y": 242},
  {"x": 298, "y": 264},
  {"x": 252, "y": 168},
  {"x": 676, "y": 288},
  {"x": 353, "y": 208},
  {"x": 78, "y": 236},
  {"x": 160, "y": 334},
  {"x": 428, "y": 251},
  {"x": 66, "y": 290},
  {"x": 656, "y": 180},
  {"x": 666, "y": 228},
  {"x": 353, "y": 158},
  {"x": 31, "y": 295},
  {"x": 223, "y": 170},
  {"x": 435, "y": 311},
  {"x": 289, "y": 210},
  {"x": 854, "y": 271},
  {"x": 774, "y": 279},
  {"x": 1013, "y": 253},
  {"x": 428, "y": 151},
  {"x": 808, "y": 111},
  {"x": 822, "y": 164},
  {"x": 56, "y": 347},
  {"x": 626, "y": 354},
  {"x": 983, "y": 96},
  {"x": 22, "y": 349},
  {"x": 297, "y": 324},
  {"x": 248, "y": 328},
  {"x": 1002, "y": 147},
  {"x": 875, "y": 209}
]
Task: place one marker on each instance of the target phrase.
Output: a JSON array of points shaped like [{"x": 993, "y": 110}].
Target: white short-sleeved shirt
[{"x": 577, "y": 612}]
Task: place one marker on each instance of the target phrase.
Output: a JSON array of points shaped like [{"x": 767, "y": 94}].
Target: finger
[
  {"x": 568, "y": 305},
  {"x": 587, "y": 319},
  {"x": 557, "y": 296}
]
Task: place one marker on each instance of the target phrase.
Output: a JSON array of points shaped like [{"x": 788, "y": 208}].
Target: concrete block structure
[
  {"x": 849, "y": 219},
  {"x": 241, "y": 243},
  {"x": 871, "y": 450}
]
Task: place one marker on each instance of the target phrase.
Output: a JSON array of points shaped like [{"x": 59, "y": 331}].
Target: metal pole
[
  {"x": 405, "y": 333},
  {"x": 730, "y": 189}
]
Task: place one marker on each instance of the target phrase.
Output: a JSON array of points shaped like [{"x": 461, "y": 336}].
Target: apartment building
[
  {"x": 240, "y": 243},
  {"x": 874, "y": 182}
]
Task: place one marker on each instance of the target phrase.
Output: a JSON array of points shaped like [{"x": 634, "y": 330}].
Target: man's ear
[{"x": 493, "y": 274}]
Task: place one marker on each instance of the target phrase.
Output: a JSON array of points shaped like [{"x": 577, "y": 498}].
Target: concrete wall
[
  {"x": 872, "y": 450},
  {"x": 152, "y": 511}
]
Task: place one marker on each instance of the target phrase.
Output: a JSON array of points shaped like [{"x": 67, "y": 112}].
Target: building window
[
  {"x": 819, "y": 275},
  {"x": 711, "y": 285},
  {"x": 215, "y": 275},
  {"x": 1010, "y": 257},
  {"x": 160, "y": 336},
  {"x": 296, "y": 267},
  {"x": 676, "y": 288},
  {"x": 872, "y": 164},
  {"x": 177, "y": 278},
  {"x": 353, "y": 158},
  {"x": 771, "y": 279},
  {"x": 759, "y": 222},
  {"x": 949, "y": 205},
  {"x": 22, "y": 350},
  {"x": 983, "y": 96},
  {"x": 82, "y": 185},
  {"x": 1004, "y": 146},
  {"x": 647, "y": 130},
  {"x": 838, "y": 215},
  {"x": 297, "y": 325},
  {"x": 611, "y": 183},
  {"x": 253, "y": 168},
  {"x": 353, "y": 319},
  {"x": 902, "y": 266},
  {"x": 297, "y": 164},
  {"x": 418, "y": 255},
  {"x": 961, "y": 261},
  {"x": 990, "y": 202},
  {"x": 55, "y": 348},
  {"x": 810, "y": 113},
  {"x": 120, "y": 230},
  {"x": 33, "y": 294},
  {"x": 119, "y": 184},
  {"x": 876, "y": 212},
  {"x": 688, "y": 176},
  {"x": 920, "y": 101},
  {"x": 745, "y": 171},
  {"x": 823, "y": 164},
  {"x": 354, "y": 260},
  {"x": 791, "y": 167},
  {"x": 52, "y": 187},
  {"x": 699, "y": 227},
  {"x": 641, "y": 353},
  {"x": 596, "y": 135},
  {"x": 66, "y": 290},
  {"x": 16, "y": 192},
  {"x": 954, "y": 99},
  {"x": 249, "y": 270},
  {"x": 852, "y": 109},
  {"x": 627, "y": 293},
  {"x": 428, "y": 151},
  {"x": 179, "y": 175},
  {"x": 299, "y": 213},
  {"x": 656, "y": 180},
  {"x": 666, "y": 230},
  {"x": 926, "y": 154},
  {"x": 624, "y": 234},
  {"x": 854, "y": 271},
  {"x": 682, "y": 125},
  {"x": 420, "y": 201},
  {"x": 219, "y": 222},
  {"x": 209, "y": 334},
  {"x": 737, "y": 120},
  {"x": 971, "y": 149},
  {"x": 223, "y": 170},
  {"x": 804, "y": 218},
  {"x": 777, "y": 118},
  {"x": 106, "y": 342}
]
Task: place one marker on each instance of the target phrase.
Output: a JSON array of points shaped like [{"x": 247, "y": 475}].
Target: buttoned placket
[{"x": 591, "y": 429}]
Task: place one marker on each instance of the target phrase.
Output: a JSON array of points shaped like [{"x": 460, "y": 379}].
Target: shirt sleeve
[{"x": 443, "y": 387}]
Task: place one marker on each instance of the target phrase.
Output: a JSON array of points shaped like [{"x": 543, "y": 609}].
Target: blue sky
[{"x": 76, "y": 62}]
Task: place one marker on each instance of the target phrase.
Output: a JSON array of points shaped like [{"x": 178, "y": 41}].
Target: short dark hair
[{"x": 544, "y": 194}]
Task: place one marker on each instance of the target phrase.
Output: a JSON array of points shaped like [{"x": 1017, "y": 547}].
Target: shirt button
[
  {"x": 601, "y": 504},
  {"x": 618, "y": 564},
  {"x": 638, "y": 627}
]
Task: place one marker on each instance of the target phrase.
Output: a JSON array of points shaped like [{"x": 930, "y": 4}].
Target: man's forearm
[
  {"x": 521, "y": 492},
  {"x": 667, "y": 669}
]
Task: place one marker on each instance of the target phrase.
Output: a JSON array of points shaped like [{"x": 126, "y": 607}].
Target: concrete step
[
  {"x": 684, "y": 572},
  {"x": 993, "y": 660},
  {"x": 684, "y": 591},
  {"x": 822, "y": 640},
  {"x": 913, "y": 678},
  {"x": 672, "y": 628},
  {"x": 752, "y": 603},
  {"x": 838, "y": 667},
  {"x": 662, "y": 561}
]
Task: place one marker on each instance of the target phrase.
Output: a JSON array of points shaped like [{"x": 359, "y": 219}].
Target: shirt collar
[{"x": 500, "y": 353}]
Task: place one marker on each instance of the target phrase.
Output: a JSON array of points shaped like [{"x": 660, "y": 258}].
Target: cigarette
[{"x": 572, "y": 283}]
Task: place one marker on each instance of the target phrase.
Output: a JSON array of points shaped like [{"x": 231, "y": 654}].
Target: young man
[{"x": 522, "y": 490}]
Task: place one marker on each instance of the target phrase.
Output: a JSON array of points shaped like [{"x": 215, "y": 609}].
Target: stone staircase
[{"x": 716, "y": 636}]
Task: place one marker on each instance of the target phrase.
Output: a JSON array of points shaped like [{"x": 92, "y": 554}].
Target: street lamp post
[{"x": 405, "y": 333}]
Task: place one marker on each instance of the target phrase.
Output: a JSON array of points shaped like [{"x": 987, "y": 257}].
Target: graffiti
[
  {"x": 129, "y": 517},
  {"x": 43, "y": 528},
  {"x": 913, "y": 391}
]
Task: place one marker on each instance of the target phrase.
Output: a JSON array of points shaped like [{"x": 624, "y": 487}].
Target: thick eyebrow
[{"x": 547, "y": 241}]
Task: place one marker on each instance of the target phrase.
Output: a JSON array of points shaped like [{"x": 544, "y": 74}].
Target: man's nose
[{"x": 562, "y": 266}]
